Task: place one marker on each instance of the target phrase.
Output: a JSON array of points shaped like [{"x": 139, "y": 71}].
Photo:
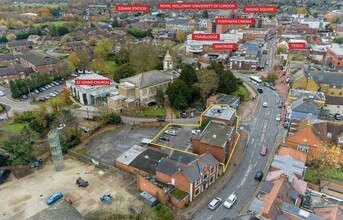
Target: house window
[
  {"x": 205, "y": 176},
  {"x": 303, "y": 148},
  {"x": 197, "y": 182},
  {"x": 197, "y": 192},
  {"x": 211, "y": 179},
  {"x": 212, "y": 169},
  {"x": 332, "y": 92}
]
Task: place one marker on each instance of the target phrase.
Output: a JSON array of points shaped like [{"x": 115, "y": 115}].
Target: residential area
[{"x": 156, "y": 110}]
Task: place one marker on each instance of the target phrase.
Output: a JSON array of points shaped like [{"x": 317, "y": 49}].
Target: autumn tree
[
  {"x": 45, "y": 12},
  {"x": 63, "y": 69},
  {"x": 92, "y": 42},
  {"x": 100, "y": 65},
  {"x": 11, "y": 37},
  {"x": 103, "y": 48},
  {"x": 74, "y": 59},
  {"x": 143, "y": 58},
  {"x": 208, "y": 82},
  {"x": 326, "y": 158},
  {"x": 122, "y": 72},
  {"x": 180, "y": 35},
  {"x": 281, "y": 48},
  {"x": 122, "y": 56},
  {"x": 302, "y": 11},
  {"x": 272, "y": 77}
]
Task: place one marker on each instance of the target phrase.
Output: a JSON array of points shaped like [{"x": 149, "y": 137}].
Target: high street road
[{"x": 263, "y": 129}]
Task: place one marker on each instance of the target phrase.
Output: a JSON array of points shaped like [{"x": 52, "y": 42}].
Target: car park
[
  {"x": 259, "y": 90},
  {"x": 165, "y": 138},
  {"x": 170, "y": 132},
  {"x": 4, "y": 175},
  {"x": 265, "y": 104},
  {"x": 278, "y": 117},
  {"x": 338, "y": 117},
  {"x": 230, "y": 201},
  {"x": 263, "y": 151},
  {"x": 53, "y": 198},
  {"x": 214, "y": 204},
  {"x": 259, "y": 175}
]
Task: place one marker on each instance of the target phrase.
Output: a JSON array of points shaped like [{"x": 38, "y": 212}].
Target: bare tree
[{"x": 208, "y": 82}]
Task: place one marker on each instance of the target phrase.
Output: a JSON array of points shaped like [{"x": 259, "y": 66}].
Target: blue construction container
[{"x": 148, "y": 198}]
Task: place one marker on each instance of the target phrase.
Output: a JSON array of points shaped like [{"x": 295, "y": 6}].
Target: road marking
[
  {"x": 209, "y": 217},
  {"x": 256, "y": 163},
  {"x": 233, "y": 192}
]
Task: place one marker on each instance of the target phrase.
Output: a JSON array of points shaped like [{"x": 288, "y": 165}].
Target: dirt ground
[{"x": 23, "y": 198}]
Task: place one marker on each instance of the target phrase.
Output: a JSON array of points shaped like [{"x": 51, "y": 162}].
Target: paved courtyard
[{"x": 23, "y": 198}]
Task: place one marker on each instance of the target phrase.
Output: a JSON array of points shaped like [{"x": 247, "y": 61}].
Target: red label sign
[
  {"x": 235, "y": 21},
  {"x": 197, "y": 6},
  {"x": 224, "y": 46},
  {"x": 132, "y": 8},
  {"x": 205, "y": 36},
  {"x": 259, "y": 9},
  {"x": 296, "y": 45},
  {"x": 92, "y": 82}
]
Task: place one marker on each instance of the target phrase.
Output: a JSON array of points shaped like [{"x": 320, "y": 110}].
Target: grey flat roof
[
  {"x": 216, "y": 133},
  {"x": 148, "y": 160},
  {"x": 220, "y": 112},
  {"x": 295, "y": 211},
  {"x": 256, "y": 205},
  {"x": 128, "y": 156},
  {"x": 289, "y": 166}
]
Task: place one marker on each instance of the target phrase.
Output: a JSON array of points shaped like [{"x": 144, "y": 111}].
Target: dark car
[
  {"x": 184, "y": 114},
  {"x": 259, "y": 90},
  {"x": 280, "y": 103},
  {"x": 81, "y": 182},
  {"x": 4, "y": 175},
  {"x": 152, "y": 103},
  {"x": 23, "y": 97},
  {"x": 338, "y": 117},
  {"x": 134, "y": 210},
  {"x": 259, "y": 175},
  {"x": 161, "y": 120},
  {"x": 165, "y": 138},
  {"x": 286, "y": 124}
]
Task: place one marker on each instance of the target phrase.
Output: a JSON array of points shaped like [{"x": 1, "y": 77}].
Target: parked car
[
  {"x": 134, "y": 210},
  {"x": 280, "y": 103},
  {"x": 263, "y": 151},
  {"x": 265, "y": 104},
  {"x": 52, "y": 84},
  {"x": 2, "y": 93},
  {"x": 43, "y": 88},
  {"x": 41, "y": 99},
  {"x": 192, "y": 114},
  {"x": 215, "y": 203},
  {"x": 61, "y": 126},
  {"x": 23, "y": 97},
  {"x": 338, "y": 117},
  {"x": 259, "y": 175},
  {"x": 184, "y": 114},
  {"x": 2, "y": 119},
  {"x": 286, "y": 124},
  {"x": 69, "y": 200},
  {"x": 84, "y": 129},
  {"x": 165, "y": 138},
  {"x": 46, "y": 97},
  {"x": 40, "y": 90},
  {"x": 230, "y": 201},
  {"x": 161, "y": 120},
  {"x": 81, "y": 182},
  {"x": 52, "y": 94},
  {"x": 53, "y": 198},
  {"x": 195, "y": 132},
  {"x": 259, "y": 90},
  {"x": 272, "y": 88},
  {"x": 46, "y": 87},
  {"x": 278, "y": 117},
  {"x": 152, "y": 103},
  {"x": 59, "y": 81},
  {"x": 170, "y": 132},
  {"x": 4, "y": 175}
]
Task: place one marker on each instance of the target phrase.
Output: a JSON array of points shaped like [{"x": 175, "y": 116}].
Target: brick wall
[
  {"x": 202, "y": 148},
  {"x": 130, "y": 169},
  {"x": 145, "y": 185}
]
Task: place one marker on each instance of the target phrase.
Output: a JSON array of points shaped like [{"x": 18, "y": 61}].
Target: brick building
[
  {"x": 335, "y": 55},
  {"x": 38, "y": 62},
  {"x": 73, "y": 46},
  {"x": 14, "y": 72}
]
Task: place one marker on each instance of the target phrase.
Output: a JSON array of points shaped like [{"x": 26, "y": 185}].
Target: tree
[
  {"x": 55, "y": 104},
  {"x": 180, "y": 102},
  {"x": 65, "y": 39},
  {"x": 159, "y": 96},
  {"x": 53, "y": 31},
  {"x": 114, "y": 118},
  {"x": 42, "y": 120},
  {"x": 14, "y": 89},
  {"x": 19, "y": 149},
  {"x": 188, "y": 75},
  {"x": 103, "y": 48},
  {"x": 62, "y": 31},
  {"x": 272, "y": 77},
  {"x": 217, "y": 67},
  {"x": 123, "y": 56},
  {"x": 100, "y": 65},
  {"x": 115, "y": 23},
  {"x": 122, "y": 72},
  {"x": 281, "y": 48},
  {"x": 301, "y": 11},
  {"x": 279, "y": 30},
  {"x": 74, "y": 59},
  {"x": 208, "y": 82},
  {"x": 64, "y": 69},
  {"x": 180, "y": 35},
  {"x": 143, "y": 58},
  {"x": 336, "y": 19},
  {"x": 176, "y": 88},
  {"x": 227, "y": 82},
  {"x": 326, "y": 158},
  {"x": 338, "y": 40},
  {"x": 92, "y": 42},
  {"x": 11, "y": 37},
  {"x": 205, "y": 14}
]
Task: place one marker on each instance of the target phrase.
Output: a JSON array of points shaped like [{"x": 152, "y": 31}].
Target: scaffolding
[{"x": 55, "y": 149}]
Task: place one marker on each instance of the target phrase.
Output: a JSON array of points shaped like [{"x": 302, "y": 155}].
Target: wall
[
  {"x": 202, "y": 148},
  {"x": 145, "y": 185},
  {"x": 178, "y": 203},
  {"x": 130, "y": 169},
  {"x": 335, "y": 59}
]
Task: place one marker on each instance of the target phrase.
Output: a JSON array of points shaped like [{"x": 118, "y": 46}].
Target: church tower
[{"x": 168, "y": 62}]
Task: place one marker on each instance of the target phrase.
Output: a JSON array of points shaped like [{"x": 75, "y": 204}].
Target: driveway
[
  {"x": 107, "y": 146},
  {"x": 23, "y": 198}
]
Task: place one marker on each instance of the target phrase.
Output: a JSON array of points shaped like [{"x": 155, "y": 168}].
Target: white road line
[{"x": 209, "y": 217}]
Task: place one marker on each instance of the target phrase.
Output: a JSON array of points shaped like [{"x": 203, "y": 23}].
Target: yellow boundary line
[{"x": 198, "y": 125}]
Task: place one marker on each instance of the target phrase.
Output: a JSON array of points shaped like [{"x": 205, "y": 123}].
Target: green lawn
[
  {"x": 112, "y": 65},
  {"x": 16, "y": 127},
  {"x": 47, "y": 47},
  {"x": 309, "y": 177},
  {"x": 334, "y": 176},
  {"x": 242, "y": 91},
  {"x": 148, "y": 111},
  {"x": 178, "y": 193}
]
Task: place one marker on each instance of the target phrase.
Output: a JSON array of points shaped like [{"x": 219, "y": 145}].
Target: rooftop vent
[{"x": 146, "y": 156}]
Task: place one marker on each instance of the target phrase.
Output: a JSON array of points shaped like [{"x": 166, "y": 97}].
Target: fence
[{"x": 98, "y": 163}]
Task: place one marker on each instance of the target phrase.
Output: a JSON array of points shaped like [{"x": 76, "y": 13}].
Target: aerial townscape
[{"x": 163, "y": 110}]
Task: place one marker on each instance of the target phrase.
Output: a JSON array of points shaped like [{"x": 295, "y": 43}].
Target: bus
[{"x": 256, "y": 80}]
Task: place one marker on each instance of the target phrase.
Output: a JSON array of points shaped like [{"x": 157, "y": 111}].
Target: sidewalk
[
  {"x": 204, "y": 198},
  {"x": 282, "y": 89}
]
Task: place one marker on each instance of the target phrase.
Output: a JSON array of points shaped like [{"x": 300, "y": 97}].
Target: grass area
[
  {"x": 309, "y": 177},
  {"x": 147, "y": 111},
  {"x": 177, "y": 112},
  {"x": 242, "y": 91},
  {"x": 16, "y": 127},
  {"x": 178, "y": 193},
  {"x": 52, "y": 5},
  {"x": 334, "y": 176},
  {"x": 112, "y": 65}
]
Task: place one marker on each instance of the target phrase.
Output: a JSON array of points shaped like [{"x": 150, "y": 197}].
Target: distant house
[
  {"x": 317, "y": 97},
  {"x": 14, "y": 72},
  {"x": 303, "y": 108},
  {"x": 38, "y": 62},
  {"x": 73, "y": 46},
  {"x": 220, "y": 98},
  {"x": 335, "y": 54},
  {"x": 331, "y": 188},
  {"x": 246, "y": 58},
  {"x": 18, "y": 45}
]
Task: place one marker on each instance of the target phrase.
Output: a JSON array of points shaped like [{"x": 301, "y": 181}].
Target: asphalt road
[
  {"x": 270, "y": 57},
  {"x": 263, "y": 130}
]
